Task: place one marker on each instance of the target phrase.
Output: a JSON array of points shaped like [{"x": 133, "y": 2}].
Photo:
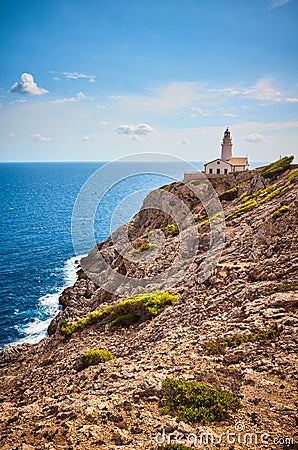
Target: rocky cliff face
[{"x": 236, "y": 330}]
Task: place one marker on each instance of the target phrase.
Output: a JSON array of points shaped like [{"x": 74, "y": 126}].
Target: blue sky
[{"x": 96, "y": 80}]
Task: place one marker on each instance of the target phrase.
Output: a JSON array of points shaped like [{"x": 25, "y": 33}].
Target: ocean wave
[{"x": 48, "y": 306}]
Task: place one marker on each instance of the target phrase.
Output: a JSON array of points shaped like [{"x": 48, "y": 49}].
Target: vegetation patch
[
  {"x": 216, "y": 216},
  {"x": 191, "y": 401},
  {"x": 124, "y": 321},
  {"x": 173, "y": 229},
  {"x": 277, "y": 167},
  {"x": 195, "y": 182},
  {"x": 234, "y": 341},
  {"x": 274, "y": 193},
  {"x": 144, "y": 247},
  {"x": 281, "y": 211},
  {"x": 284, "y": 288},
  {"x": 245, "y": 198},
  {"x": 243, "y": 209},
  {"x": 292, "y": 175},
  {"x": 146, "y": 235},
  {"x": 230, "y": 194},
  {"x": 94, "y": 357},
  {"x": 143, "y": 306}
]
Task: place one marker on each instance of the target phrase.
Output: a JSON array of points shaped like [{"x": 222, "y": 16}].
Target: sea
[{"x": 39, "y": 255}]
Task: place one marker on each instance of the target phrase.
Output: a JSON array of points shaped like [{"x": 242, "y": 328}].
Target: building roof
[
  {"x": 219, "y": 159},
  {"x": 237, "y": 161}
]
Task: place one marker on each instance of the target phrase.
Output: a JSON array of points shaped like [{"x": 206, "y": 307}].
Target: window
[
  {"x": 218, "y": 171},
  {"x": 218, "y": 162},
  {"x": 210, "y": 171},
  {"x": 226, "y": 171}
]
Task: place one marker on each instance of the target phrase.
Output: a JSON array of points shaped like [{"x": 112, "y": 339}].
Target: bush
[
  {"x": 147, "y": 234},
  {"x": 234, "y": 341},
  {"x": 292, "y": 175},
  {"x": 216, "y": 216},
  {"x": 281, "y": 211},
  {"x": 197, "y": 402},
  {"x": 144, "y": 247},
  {"x": 276, "y": 192},
  {"x": 230, "y": 194},
  {"x": 173, "y": 229},
  {"x": 195, "y": 182},
  {"x": 124, "y": 321},
  {"x": 245, "y": 208},
  {"x": 284, "y": 288},
  {"x": 144, "y": 306},
  {"x": 94, "y": 357},
  {"x": 277, "y": 167},
  {"x": 245, "y": 198}
]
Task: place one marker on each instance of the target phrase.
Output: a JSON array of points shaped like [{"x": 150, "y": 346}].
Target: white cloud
[
  {"x": 27, "y": 86},
  {"x": 19, "y": 100},
  {"x": 229, "y": 115},
  {"x": 103, "y": 122},
  {"x": 254, "y": 138},
  {"x": 80, "y": 96},
  {"x": 263, "y": 90},
  {"x": 135, "y": 131},
  {"x": 278, "y": 3},
  {"x": 11, "y": 134},
  {"x": 39, "y": 137},
  {"x": 291, "y": 100},
  {"x": 88, "y": 138},
  {"x": 185, "y": 142},
  {"x": 78, "y": 75},
  {"x": 200, "y": 111}
]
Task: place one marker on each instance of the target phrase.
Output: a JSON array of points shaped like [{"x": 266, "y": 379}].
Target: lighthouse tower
[{"x": 226, "y": 146}]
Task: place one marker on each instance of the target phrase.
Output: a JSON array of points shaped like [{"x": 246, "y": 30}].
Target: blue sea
[{"x": 37, "y": 253}]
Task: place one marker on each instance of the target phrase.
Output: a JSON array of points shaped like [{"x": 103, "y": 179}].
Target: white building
[{"x": 227, "y": 163}]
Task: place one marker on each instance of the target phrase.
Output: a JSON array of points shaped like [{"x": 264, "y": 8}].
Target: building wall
[
  {"x": 240, "y": 168},
  {"x": 226, "y": 151},
  {"x": 218, "y": 167}
]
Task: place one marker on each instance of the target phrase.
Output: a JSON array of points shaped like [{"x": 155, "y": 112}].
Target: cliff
[{"x": 234, "y": 330}]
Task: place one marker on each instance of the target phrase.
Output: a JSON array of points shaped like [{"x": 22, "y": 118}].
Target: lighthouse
[{"x": 226, "y": 146}]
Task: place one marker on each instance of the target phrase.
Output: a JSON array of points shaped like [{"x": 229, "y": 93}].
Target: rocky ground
[{"x": 47, "y": 403}]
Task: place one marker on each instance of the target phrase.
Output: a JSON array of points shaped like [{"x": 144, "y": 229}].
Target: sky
[{"x": 96, "y": 80}]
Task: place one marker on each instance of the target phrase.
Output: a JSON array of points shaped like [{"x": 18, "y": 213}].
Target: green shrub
[
  {"x": 234, "y": 341},
  {"x": 281, "y": 211},
  {"x": 216, "y": 216},
  {"x": 147, "y": 234},
  {"x": 94, "y": 357},
  {"x": 195, "y": 182},
  {"x": 144, "y": 247},
  {"x": 142, "y": 305},
  {"x": 245, "y": 198},
  {"x": 173, "y": 229},
  {"x": 284, "y": 288},
  {"x": 274, "y": 193},
  {"x": 124, "y": 321},
  {"x": 277, "y": 167},
  {"x": 230, "y": 194},
  {"x": 292, "y": 175},
  {"x": 197, "y": 402},
  {"x": 243, "y": 209}
]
